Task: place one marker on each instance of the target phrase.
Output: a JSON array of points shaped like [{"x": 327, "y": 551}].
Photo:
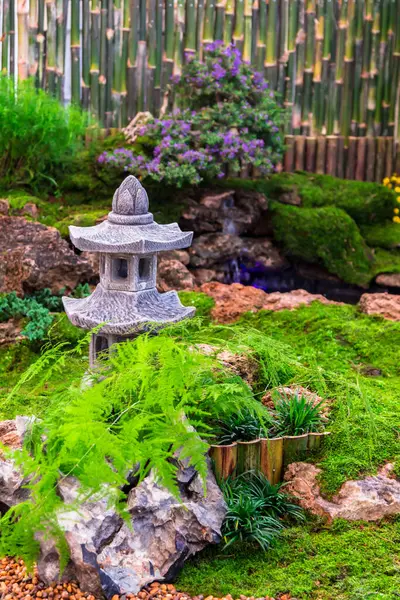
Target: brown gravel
[{"x": 15, "y": 583}]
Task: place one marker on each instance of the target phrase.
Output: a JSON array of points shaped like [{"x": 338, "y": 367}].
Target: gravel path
[{"x": 15, "y": 584}]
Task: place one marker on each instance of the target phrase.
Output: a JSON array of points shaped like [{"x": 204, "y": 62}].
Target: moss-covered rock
[
  {"x": 382, "y": 235},
  {"x": 325, "y": 235},
  {"x": 366, "y": 203}
]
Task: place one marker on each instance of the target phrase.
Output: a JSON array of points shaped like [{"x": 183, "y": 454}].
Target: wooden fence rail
[
  {"x": 361, "y": 158},
  {"x": 336, "y": 63}
]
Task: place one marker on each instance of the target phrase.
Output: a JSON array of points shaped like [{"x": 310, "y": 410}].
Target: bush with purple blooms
[{"x": 226, "y": 120}]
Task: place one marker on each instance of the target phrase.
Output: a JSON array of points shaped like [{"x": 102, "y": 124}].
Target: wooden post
[
  {"x": 315, "y": 440},
  {"x": 371, "y": 155},
  {"x": 299, "y": 153},
  {"x": 311, "y": 145},
  {"x": 351, "y": 158},
  {"x": 331, "y": 154},
  {"x": 288, "y": 161},
  {"x": 248, "y": 456},
  {"x": 380, "y": 159},
  {"x": 271, "y": 459},
  {"x": 389, "y": 157},
  {"x": 321, "y": 155},
  {"x": 225, "y": 460},
  {"x": 340, "y": 157},
  {"x": 361, "y": 156},
  {"x": 294, "y": 447}
]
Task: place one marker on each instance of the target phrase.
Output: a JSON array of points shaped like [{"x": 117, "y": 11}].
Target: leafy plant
[
  {"x": 38, "y": 316},
  {"x": 256, "y": 510},
  {"x": 242, "y": 427},
  {"x": 225, "y": 121},
  {"x": 154, "y": 399},
  {"x": 38, "y": 136},
  {"x": 296, "y": 415}
]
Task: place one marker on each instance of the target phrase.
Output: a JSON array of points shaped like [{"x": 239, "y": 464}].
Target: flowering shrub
[
  {"x": 393, "y": 183},
  {"x": 226, "y": 120}
]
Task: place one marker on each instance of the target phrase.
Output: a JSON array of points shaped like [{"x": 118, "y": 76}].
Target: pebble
[{"x": 17, "y": 584}]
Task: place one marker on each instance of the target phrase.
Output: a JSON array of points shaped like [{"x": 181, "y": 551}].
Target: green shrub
[
  {"x": 296, "y": 415},
  {"x": 326, "y": 236},
  {"x": 225, "y": 121},
  {"x": 38, "y": 316},
  {"x": 366, "y": 203},
  {"x": 256, "y": 510},
  {"x": 38, "y": 136}
]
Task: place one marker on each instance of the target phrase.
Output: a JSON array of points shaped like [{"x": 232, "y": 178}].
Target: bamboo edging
[{"x": 270, "y": 456}]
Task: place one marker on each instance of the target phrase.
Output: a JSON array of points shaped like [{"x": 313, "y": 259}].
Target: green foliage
[
  {"x": 366, "y": 203},
  {"x": 242, "y": 427},
  {"x": 39, "y": 318},
  {"x": 154, "y": 399},
  {"x": 296, "y": 415},
  {"x": 325, "y": 235},
  {"x": 256, "y": 510},
  {"x": 347, "y": 561},
  {"x": 203, "y": 303},
  {"x": 38, "y": 136}
]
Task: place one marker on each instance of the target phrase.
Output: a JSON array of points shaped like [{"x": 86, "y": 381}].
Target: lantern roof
[
  {"x": 130, "y": 227},
  {"x": 124, "y": 313}
]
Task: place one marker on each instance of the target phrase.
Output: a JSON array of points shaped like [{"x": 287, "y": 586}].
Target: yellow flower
[
  {"x": 398, "y": 198},
  {"x": 386, "y": 181},
  {"x": 397, "y": 190},
  {"x": 396, "y": 211},
  {"x": 396, "y": 219}
]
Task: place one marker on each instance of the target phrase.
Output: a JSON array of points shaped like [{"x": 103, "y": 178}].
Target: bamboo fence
[
  {"x": 270, "y": 456},
  {"x": 336, "y": 63}
]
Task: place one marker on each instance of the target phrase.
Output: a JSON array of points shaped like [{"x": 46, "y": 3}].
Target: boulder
[
  {"x": 215, "y": 250},
  {"x": 10, "y": 331},
  {"x": 389, "y": 280},
  {"x": 385, "y": 305},
  {"x": 235, "y": 212},
  {"x": 369, "y": 499},
  {"x": 112, "y": 558},
  {"x": 12, "y": 482},
  {"x": 172, "y": 274},
  {"x": 34, "y": 257},
  {"x": 231, "y": 301}
]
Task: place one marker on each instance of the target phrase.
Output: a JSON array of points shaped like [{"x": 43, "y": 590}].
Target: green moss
[
  {"x": 386, "y": 261},
  {"x": 203, "y": 303},
  {"x": 365, "y": 202},
  {"x": 325, "y": 235},
  {"x": 345, "y": 562},
  {"x": 382, "y": 235}
]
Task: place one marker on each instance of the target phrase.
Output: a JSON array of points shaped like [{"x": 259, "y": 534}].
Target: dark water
[{"x": 294, "y": 278}]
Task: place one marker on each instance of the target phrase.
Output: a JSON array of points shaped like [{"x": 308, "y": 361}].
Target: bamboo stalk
[
  {"x": 300, "y": 55},
  {"x": 317, "y": 98},
  {"x": 110, "y": 33},
  {"x": 41, "y": 39},
  {"x": 366, "y": 65},
  {"x": 219, "y": 19},
  {"x": 358, "y": 58},
  {"x": 271, "y": 59},
  {"x": 238, "y": 33},
  {"x": 308, "y": 66},
  {"x": 117, "y": 64},
  {"x": 95, "y": 16},
  {"x": 51, "y": 46},
  {"x": 248, "y": 456},
  {"x": 32, "y": 35},
  {"x": 159, "y": 53},
  {"x": 327, "y": 53},
  {"x": 132, "y": 58},
  {"x": 225, "y": 460},
  {"x": 5, "y": 37},
  {"x": 247, "y": 30},
  {"x": 262, "y": 36},
  {"x": 85, "y": 53},
  {"x": 61, "y": 34},
  {"x": 190, "y": 29},
  {"x": 11, "y": 35},
  {"x": 289, "y": 153},
  {"x": 179, "y": 36},
  {"x": 229, "y": 21},
  {"x": 23, "y": 38},
  {"x": 103, "y": 61},
  {"x": 75, "y": 52},
  {"x": 126, "y": 23},
  {"x": 294, "y": 447}
]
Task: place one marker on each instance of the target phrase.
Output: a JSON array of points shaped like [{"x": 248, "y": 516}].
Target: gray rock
[{"x": 111, "y": 556}]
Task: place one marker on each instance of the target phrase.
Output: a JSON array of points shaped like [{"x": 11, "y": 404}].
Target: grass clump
[
  {"x": 325, "y": 235},
  {"x": 38, "y": 136},
  {"x": 257, "y": 510},
  {"x": 296, "y": 415}
]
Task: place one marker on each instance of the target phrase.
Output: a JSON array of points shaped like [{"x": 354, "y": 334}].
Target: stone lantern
[{"x": 126, "y": 301}]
